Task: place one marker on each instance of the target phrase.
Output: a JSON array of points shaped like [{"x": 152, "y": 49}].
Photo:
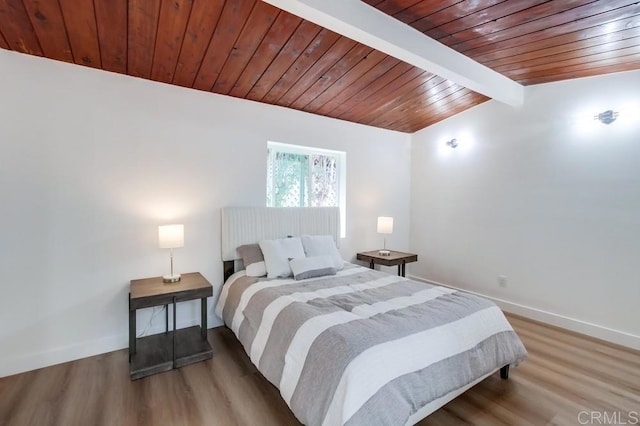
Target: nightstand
[
  {"x": 173, "y": 348},
  {"x": 395, "y": 258}
]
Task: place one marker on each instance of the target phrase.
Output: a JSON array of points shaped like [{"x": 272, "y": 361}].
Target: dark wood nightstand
[
  {"x": 173, "y": 348},
  {"x": 395, "y": 258}
]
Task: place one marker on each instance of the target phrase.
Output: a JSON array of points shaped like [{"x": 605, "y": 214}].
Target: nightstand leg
[
  {"x": 399, "y": 269},
  {"x": 371, "y": 264},
  {"x": 132, "y": 330},
  {"x": 404, "y": 264},
  {"x": 203, "y": 317},
  {"x": 173, "y": 337}
]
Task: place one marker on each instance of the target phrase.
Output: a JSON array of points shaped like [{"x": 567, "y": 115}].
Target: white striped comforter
[{"x": 364, "y": 347}]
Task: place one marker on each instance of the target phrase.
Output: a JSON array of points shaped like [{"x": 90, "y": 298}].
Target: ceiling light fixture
[
  {"x": 452, "y": 143},
  {"x": 607, "y": 117}
]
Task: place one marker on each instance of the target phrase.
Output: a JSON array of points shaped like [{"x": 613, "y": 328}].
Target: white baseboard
[
  {"x": 84, "y": 349},
  {"x": 62, "y": 354},
  {"x": 594, "y": 330}
]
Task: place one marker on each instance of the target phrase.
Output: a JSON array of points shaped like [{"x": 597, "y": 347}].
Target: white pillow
[
  {"x": 311, "y": 267},
  {"x": 256, "y": 269},
  {"x": 322, "y": 245},
  {"x": 277, "y": 254}
]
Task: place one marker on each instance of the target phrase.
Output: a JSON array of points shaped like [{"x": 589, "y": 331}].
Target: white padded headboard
[{"x": 247, "y": 225}]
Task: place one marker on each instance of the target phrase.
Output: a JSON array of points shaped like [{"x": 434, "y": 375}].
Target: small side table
[
  {"x": 173, "y": 348},
  {"x": 395, "y": 258}
]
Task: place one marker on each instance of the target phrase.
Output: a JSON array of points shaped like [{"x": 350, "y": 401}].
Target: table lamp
[
  {"x": 385, "y": 226},
  {"x": 171, "y": 236}
]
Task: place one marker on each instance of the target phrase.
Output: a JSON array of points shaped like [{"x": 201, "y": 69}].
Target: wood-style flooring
[{"x": 567, "y": 379}]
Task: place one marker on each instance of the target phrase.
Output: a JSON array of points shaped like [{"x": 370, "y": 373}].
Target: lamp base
[
  {"x": 171, "y": 278},
  {"x": 384, "y": 252}
]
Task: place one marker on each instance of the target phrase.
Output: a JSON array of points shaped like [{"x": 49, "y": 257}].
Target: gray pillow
[
  {"x": 311, "y": 267},
  {"x": 253, "y": 260}
]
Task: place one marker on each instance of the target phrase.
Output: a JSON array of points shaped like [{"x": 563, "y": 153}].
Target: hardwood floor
[{"x": 566, "y": 376}]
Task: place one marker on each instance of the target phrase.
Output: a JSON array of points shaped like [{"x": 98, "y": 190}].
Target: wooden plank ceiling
[{"x": 249, "y": 49}]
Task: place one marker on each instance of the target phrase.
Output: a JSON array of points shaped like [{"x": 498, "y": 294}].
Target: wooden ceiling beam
[{"x": 365, "y": 24}]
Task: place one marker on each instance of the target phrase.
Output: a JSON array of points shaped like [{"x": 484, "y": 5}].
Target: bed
[{"x": 356, "y": 346}]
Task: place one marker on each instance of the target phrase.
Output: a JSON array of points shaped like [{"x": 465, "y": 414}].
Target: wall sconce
[
  {"x": 607, "y": 117},
  {"x": 452, "y": 143}
]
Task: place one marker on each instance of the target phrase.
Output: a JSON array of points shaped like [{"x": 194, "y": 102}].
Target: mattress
[{"x": 363, "y": 347}]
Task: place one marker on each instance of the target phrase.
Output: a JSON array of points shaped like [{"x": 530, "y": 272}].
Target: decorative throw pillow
[
  {"x": 322, "y": 245},
  {"x": 311, "y": 267},
  {"x": 253, "y": 260},
  {"x": 277, "y": 254}
]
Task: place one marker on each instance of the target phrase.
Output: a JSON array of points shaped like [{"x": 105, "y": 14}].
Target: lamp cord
[{"x": 153, "y": 316}]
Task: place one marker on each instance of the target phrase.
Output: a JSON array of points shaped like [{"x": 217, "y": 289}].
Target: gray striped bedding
[{"x": 363, "y": 347}]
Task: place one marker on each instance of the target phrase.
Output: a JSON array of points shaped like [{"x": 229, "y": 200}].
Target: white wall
[
  {"x": 542, "y": 194},
  {"x": 91, "y": 162}
]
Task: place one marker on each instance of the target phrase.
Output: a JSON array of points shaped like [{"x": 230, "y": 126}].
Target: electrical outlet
[{"x": 502, "y": 281}]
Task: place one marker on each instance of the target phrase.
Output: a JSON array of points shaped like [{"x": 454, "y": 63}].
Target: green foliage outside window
[{"x": 302, "y": 180}]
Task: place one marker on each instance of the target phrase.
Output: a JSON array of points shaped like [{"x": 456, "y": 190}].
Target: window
[{"x": 299, "y": 176}]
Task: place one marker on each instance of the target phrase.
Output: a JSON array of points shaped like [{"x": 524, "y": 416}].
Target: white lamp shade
[
  {"x": 385, "y": 225},
  {"x": 171, "y": 236}
]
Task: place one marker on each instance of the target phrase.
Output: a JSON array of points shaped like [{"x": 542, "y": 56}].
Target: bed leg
[{"x": 504, "y": 372}]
